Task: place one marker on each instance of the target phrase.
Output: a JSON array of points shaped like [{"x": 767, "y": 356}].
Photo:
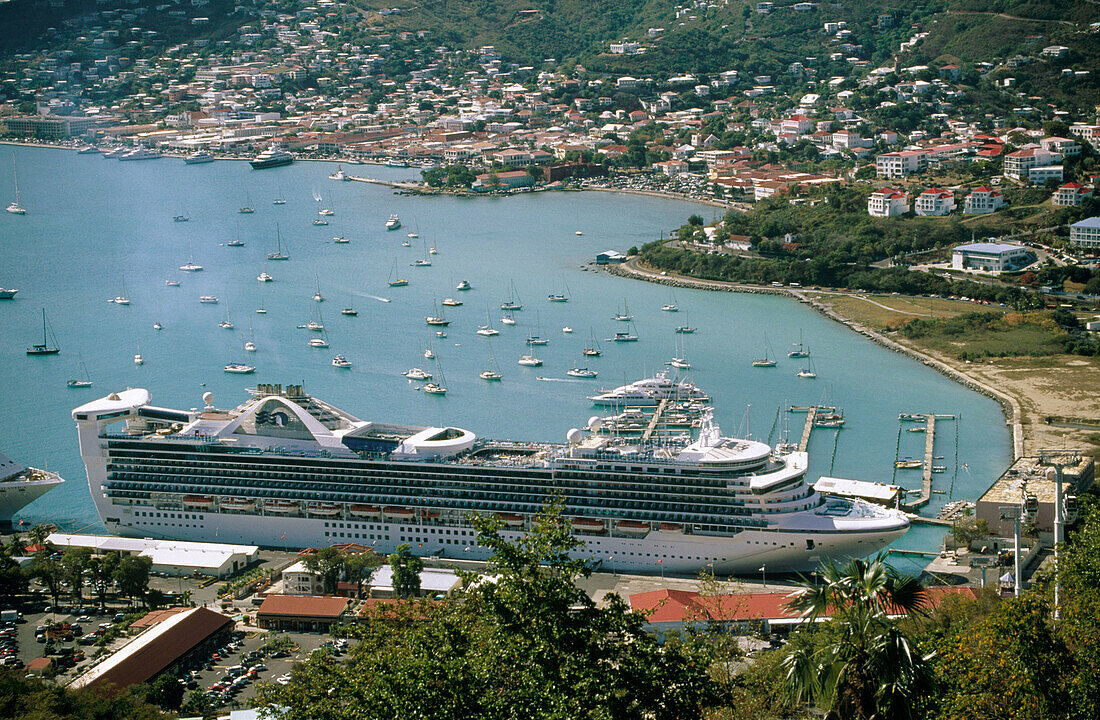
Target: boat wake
[
  {"x": 549, "y": 379},
  {"x": 373, "y": 297}
]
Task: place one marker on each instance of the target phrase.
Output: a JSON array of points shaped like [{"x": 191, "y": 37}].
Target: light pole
[
  {"x": 1012, "y": 512},
  {"x": 1058, "y": 460},
  {"x": 763, "y": 574}
]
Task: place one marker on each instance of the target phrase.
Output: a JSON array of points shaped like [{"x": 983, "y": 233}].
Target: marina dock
[
  {"x": 805, "y": 441},
  {"x": 654, "y": 420},
  {"x": 927, "y": 467}
]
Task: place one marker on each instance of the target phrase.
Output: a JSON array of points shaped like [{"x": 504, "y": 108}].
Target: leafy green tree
[
  {"x": 74, "y": 563},
  {"x": 360, "y": 567},
  {"x": 165, "y": 690},
  {"x": 132, "y": 575},
  {"x": 39, "y": 533},
  {"x": 50, "y": 573},
  {"x": 528, "y": 645},
  {"x": 406, "y": 572},
  {"x": 869, "y": 668},
  {"x": 27, "y": 698},
  {"x": 1010, "y": 665},
  {"x": 12, "y": 580},
  {"x": 328, "y": 563},
  {"x": 103, "y": 569}
]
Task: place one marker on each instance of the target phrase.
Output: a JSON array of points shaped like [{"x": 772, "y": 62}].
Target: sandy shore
[{"x": 1020, "y": 394}]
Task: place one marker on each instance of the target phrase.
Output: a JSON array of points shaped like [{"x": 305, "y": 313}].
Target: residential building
[
  {"x": 983, "y": 200},
  {"x": 1018, "y": 164},
  {"x": 934, "y": 202},
  {"x": 1071, "y": 195},
  {"x": 991, "y": 257},
  {"x": 1065, "y": 147},
  {"x": 1085, "y": 234},
  {"x": 887, "y": 202},
  {"x": 900, "y": 164}
]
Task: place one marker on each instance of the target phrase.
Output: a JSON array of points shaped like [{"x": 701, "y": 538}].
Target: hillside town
[{"x": 969, "y": 209}]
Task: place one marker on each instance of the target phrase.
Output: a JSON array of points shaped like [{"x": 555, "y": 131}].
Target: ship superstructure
[{"x": 285, "y": 469}]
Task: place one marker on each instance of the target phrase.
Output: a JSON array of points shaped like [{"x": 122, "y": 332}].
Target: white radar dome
[
  {"x": 208, "y": 397},
  {"x": 574, "y": 436},
  {"x": 595, "y": 423}
]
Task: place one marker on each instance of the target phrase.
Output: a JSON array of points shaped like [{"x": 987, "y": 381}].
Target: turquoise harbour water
[{"x": 97, "y": 226}]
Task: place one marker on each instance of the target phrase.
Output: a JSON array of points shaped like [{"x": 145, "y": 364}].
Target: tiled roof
[{"x": 314, "y": 606}]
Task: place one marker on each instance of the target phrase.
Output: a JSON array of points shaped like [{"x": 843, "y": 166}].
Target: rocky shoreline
[{"x": 1009, "y": 405}]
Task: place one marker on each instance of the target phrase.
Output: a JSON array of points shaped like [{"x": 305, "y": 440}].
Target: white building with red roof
[
  {"x": 1071, "y": 195},
  {"x": 934, "y": 202},
  {"x": 983, "y": 200},
  {"x": 1019, "y": 164},
  {"x": 887, "y": 202},
  {"x": 900, "y": 164},
  {"x": 797, "y": 125}
]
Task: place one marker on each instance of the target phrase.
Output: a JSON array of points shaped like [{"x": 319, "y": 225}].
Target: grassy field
[{"x": 1051, "y": 384}]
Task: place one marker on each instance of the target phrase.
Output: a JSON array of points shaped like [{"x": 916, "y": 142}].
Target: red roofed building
[
  {"x": 887, "y": 202},
  {"x": 1071, "y": 195},
  {"x": 670, "y": 610},
  {"x": 301, "y": 613},
  {"x": 796, "y": 125},
  {"x": 983, "y": 200},
  {"x": 934, "y": 202},
  {"x": 900, "y": 164}
]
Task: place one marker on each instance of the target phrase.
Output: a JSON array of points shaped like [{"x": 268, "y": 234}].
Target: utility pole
[
  {"x": 1057, "y": 461},
  {"x": 1012, "y": 512}
]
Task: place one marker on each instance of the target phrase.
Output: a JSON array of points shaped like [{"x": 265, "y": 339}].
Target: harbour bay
[{"x": 96, "y": 226}]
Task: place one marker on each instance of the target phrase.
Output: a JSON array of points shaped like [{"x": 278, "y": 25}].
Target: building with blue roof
[
  {"x": 1085, "y": 234},
  {"x": 992, "y": 257}
]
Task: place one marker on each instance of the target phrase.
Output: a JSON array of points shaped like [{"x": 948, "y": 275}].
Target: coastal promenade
[{"x": 1009, "y": 405}]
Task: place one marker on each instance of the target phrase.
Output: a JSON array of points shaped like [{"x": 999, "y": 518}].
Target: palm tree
[{"x": 867, "y": 667}]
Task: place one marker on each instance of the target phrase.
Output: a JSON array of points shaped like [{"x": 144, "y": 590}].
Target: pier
[
  {"x": 927, "y": 467},
  {"x": 654, "y": 420},
  {"x": 805, "y": 441}
]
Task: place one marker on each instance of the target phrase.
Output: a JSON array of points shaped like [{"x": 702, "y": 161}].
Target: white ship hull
[
  {"x": 17, "y": 494},
  {"x": 670, "y": 552}
]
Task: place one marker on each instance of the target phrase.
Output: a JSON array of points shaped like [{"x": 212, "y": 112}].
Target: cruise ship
[
  {"x": 650, "y": 391},
  {"x": 20, "y": 486},
  {"x": 272, "y": 157},
  {"x": 285, "y": 469}
]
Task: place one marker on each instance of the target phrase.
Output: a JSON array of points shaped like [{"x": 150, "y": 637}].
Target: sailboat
[
  {"x": 487, "y": 330},
  {"x": 138, "y": 359},
  {"x": 630, "y": 335},
  {"x": 436, "y": 388},
  {"x": 250, "y": 344},
  {"x": 685, "y": 329},
  {"x": 319, "y": 342},
  {"x": 438, "y": 318},
  {"x": 428, "y": 352},
  {"x": 593, "y": 348},
  {"x": 317, "y": 296},
  {"x": 191, "y": 265},
  {"x": 246, "y": 209},
  {"x": 14, "y": 207},
  {"x": 492, "y": 374},
  {"x": 44, "y": 348},
  {"x": 508, "y": 319},
  {"x": 325, "y": 212},
  {"x": 83, "y": 381},
  {"x": 767, "y": 361},
  {"x": 536, "y": 339},
  {"x": 512, "y": 301},
  {"x": 624, "y": 315},
  {"x": 156, "y": 323},
  {"x": 395, "y": 281},
  {"x": 808, "y": 371},
  {"x": 680, "y": 361},
  {"x": 799, "y": 351},
  {"x": 670, "y": 306},
  {"x": 424, "y": 261},
  {"x": 280, "y": 200},
  {"x": 581, "y": 371},
  {"x": 278, "y": 254},
  {"x": 226, "y": 323},
  {"x": 561, "y": 297},
  {"x": 122, "y": 299}
]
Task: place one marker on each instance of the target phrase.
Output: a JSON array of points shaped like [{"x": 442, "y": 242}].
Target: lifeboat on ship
[
  {"x": 588, "y": 525},
  {"x": 398, "y": 513},
  {"x": 323, "y": 509},
  {"x": 237, "y": 503},
  {"x": 510, "y": 520},
  {"x": 281, "y": 507},
  {"x": 365, "y": 511},
  {"x": 198, "y": 501},
  {"x": 429, "y": 514},
  {"x": 632, "y": 527},
  {"x": 670, "y": 527}
]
